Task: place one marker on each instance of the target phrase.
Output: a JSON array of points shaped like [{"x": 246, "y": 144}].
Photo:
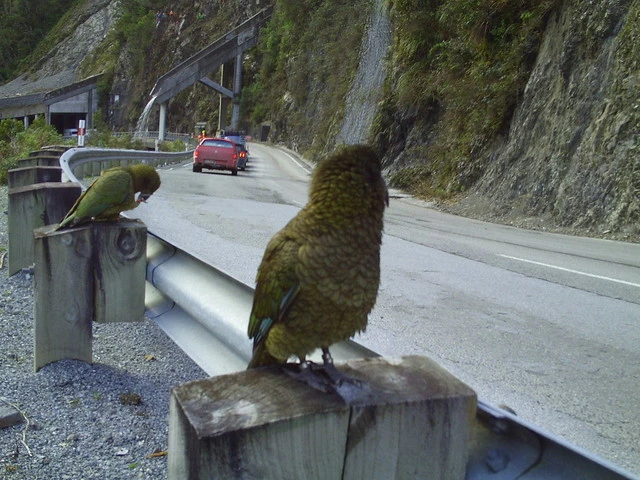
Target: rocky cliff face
[
  {"x": 59, "y": 67},
  {"x": 572, "y": 155}
]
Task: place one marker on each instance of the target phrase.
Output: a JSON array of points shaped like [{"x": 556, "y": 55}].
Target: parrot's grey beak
[{"x": 142, "y": 197}]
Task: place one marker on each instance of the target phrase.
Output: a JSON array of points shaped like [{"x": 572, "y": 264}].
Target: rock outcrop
[
  {"x": 59, "y": 67},
  {"x": 572, "y": 156}
]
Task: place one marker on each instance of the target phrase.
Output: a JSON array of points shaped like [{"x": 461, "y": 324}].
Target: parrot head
[
  {"x": 145, "y": 181},
  {"x": 358, "y": 171}
]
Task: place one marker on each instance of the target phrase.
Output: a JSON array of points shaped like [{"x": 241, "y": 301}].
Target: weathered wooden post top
[
  {"x": 407, "y": 418},
  {"x": 32, "y": 206}
]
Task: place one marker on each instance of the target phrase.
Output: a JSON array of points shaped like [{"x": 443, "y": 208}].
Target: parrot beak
[{"x": 142, "y": 197}]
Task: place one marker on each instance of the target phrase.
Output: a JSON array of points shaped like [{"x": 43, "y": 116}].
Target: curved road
[{"x": 547, "y": 324}]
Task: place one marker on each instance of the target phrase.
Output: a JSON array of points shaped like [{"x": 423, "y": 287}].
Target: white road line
[
  {"x": 297, "y": 162},
  {"x": 572, "y": 271}
]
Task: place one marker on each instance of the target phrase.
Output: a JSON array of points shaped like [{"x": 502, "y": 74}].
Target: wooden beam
[
  {"x": 20, "y": 177},
  {"x": 409, "y": 418},
  {"x": 41, "y": 160},
  {"x": 33, "y": 206},
  {"x": 93, "y": 272}
]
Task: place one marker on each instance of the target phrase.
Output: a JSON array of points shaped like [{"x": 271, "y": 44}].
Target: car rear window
[{"x": 217, "y": 143}]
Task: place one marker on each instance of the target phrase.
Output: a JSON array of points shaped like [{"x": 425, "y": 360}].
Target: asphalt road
[{"x": 547, "y": 324}]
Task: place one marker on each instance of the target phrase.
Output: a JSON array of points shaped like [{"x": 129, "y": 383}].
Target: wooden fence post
[
  {"x": 40, "y": 160},
  {"x": 34, "y": 206},
  {"x": 410, "y": 419},
  {"x": 20, "y": 177},
  {"x": 93, "y": 272}
]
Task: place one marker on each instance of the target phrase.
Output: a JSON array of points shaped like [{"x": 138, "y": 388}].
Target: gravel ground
[{"x": 99, "y": 421}]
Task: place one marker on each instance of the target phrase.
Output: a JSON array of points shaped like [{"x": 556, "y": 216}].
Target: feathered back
[{"x": 319, "y": 276}]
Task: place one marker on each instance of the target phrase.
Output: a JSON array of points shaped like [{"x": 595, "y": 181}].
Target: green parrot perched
[
  {"x": 114, "y": 191},
  {"x": 319, "y": 276}
]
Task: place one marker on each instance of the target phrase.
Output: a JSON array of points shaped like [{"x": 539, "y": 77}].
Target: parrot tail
[{"x": 262, "y": 358}]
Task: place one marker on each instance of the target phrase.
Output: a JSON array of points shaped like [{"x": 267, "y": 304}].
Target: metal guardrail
[
  {"x": 73, "y": 158},
  {"x": 205, "y": 312}
]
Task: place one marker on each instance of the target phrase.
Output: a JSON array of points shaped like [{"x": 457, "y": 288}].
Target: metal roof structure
[{"x": 42, "y": 103}]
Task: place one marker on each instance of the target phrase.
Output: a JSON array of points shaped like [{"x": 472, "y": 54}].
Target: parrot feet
[
  {"x": 330, "y": 370},
  {"x": 324, "y": 378},
  {"x": 309, "y": 373}
]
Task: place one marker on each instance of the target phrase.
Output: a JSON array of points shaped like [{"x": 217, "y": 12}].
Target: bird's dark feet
[
  {"x": 337, "y": 378},
  {"x": 325, "y": 377},
  {"x": 308, "y": 372}
]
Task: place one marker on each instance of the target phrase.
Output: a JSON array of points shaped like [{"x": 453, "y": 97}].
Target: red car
[{"x": 216, "y": 154}]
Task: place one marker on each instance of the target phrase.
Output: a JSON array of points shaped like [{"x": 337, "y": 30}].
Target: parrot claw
[
  {"x": 308, "y": 372},
  {"x": 324, "y": 378},
  {"x": 332, "y": 372},
  {"x": 337, "y": 378}
]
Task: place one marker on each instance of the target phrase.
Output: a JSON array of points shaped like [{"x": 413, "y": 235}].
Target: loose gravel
[{"x": 106, "y": 420}]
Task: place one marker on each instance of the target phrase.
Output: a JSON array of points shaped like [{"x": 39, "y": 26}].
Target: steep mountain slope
[
  {"x": 571, "y": 156},
  {"x": 520, "y": 112},
  {"x": 80, "y": 31}
]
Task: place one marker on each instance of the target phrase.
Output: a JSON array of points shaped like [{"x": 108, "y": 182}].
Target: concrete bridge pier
[
  {"x": 163, "y": 121},
  {"x": 237, "y": 88},
  {"x": 225, "y": 97}
]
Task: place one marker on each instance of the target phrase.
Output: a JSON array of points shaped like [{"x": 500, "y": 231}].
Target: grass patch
[{"x": 468, "y": 61}]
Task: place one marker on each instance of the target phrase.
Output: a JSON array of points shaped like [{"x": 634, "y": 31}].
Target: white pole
[
  {"x": 81, "y": 132},
  {"x": 163, "y": 121}
]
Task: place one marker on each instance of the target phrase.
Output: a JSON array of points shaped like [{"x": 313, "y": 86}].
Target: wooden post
[
  {"x": 49, "y": 151},
  {"x": 34, "y": 206},
  {"x": 409, "y": 419},
  {"x": 96, "y": 168},
  {"x": 20, "y": 177},
  {"x": 40, "y": 161},
  {"x": 93, "y": 272}
]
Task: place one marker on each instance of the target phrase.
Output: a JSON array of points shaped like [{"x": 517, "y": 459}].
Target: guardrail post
[
  {"x": 93, "y": 272},
  {"x": 409, "y": 418},
  {"x": 19, "y": 177},
  {"x": 33, "y": 206},
  {"x": 39, "y": 161}
]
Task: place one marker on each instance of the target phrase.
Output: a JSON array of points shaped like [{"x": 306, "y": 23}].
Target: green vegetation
[
  {"x": 459, "y": 68},
  {"x": 131, "y": 37},
  {"x": 16, "y": 142},
  {"x": 23, "y": 24},
  {"x": 308, "y": 57},
  {"x": 456, "y": 71}
]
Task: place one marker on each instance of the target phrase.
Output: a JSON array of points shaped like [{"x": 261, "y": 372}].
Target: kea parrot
[
  {"x": 319, "y": 276},
  {"x": 115, "y": 190}
]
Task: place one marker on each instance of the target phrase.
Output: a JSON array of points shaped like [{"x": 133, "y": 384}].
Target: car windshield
[
  {"x": 217, "y": 143},
  {"x": 236, "y": 138}
]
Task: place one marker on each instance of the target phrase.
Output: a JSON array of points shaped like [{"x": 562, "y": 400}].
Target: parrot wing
[
  {"x": 277, "y": 286},
  {"x": 110, "y": 190}
]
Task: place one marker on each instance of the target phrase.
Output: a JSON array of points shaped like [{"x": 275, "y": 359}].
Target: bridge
[
  {"x": 62, "y": 107},
  {"x": 196, "y": 68},
  {"x": 70, "y": 103}
]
